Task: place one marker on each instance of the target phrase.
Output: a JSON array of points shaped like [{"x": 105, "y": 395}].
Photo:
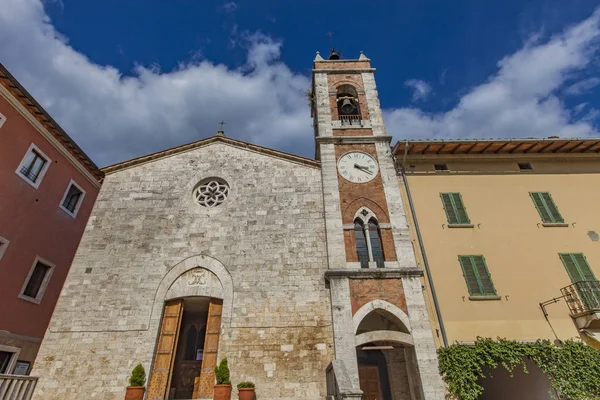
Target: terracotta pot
[
  {"x": 135, "y": 393},
  {"x": 222, "y": 392},
  {"x": 246, "y": 393}
]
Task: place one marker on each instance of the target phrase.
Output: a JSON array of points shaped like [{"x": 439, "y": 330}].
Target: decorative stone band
[
  {"x": 353, "y": 139},
  {"x": 369, "y": 273},
  {"x": 344, "y": 71}
]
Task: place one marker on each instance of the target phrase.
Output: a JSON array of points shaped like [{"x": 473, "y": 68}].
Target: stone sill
[
  {"x": 461, "y": 226},
  {"x": 550, "y": 225},
  {"x": 484, "y": 298}
]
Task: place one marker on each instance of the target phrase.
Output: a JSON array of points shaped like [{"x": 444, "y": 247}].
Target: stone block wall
[{"x": 269, "y": 235}]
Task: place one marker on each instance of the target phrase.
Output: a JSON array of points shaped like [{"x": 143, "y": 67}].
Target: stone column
[
  {"x": 343, "y": 328},
  {"x": 424, "y": 346}
]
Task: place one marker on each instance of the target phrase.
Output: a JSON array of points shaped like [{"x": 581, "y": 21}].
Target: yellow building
[{"x": 506, "y": 230}]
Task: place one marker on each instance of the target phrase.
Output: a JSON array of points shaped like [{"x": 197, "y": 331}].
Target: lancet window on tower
[
  {"x": 347, "y": 105},
  {"x": 369, "y": 247}
]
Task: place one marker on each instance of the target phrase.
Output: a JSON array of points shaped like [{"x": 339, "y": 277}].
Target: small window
[
  {"x": 72, "y": 199},
  {"x": 2, "y": 120},
  {"x": 3, "y": 245},
  {"x": 5, "y": 357},
  {"x": 525, "y": 166},
  {"x": 546, "y": 208},
  {"x": 33, "y": 167},
  {"x": 456, "y": 212},
  {"x": 477, "y": 276},
  {"x": 441, "y": 167},
  {"x": 37, "y": 281}
]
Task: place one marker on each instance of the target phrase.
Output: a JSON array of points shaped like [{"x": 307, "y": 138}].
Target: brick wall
[{"x": 363, "y": 291}]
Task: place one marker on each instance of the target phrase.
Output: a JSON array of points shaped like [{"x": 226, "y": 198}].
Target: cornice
[
  {"x": 4, "y": 92},
  {"x": 353, "y": 139},
  {"x": 344, "y": 71},
  {"x": 205, "y": 142}
]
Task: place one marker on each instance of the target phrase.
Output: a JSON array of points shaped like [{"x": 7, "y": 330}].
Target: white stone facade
[{"x": 265, "y": 244}]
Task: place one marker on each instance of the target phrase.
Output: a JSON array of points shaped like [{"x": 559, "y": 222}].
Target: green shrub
[
  {"x": 572, "y": 367},
  {"x": 222, "y": 373},
  {"x": 138, "y": 376},
  {"x": 245, "y": 385}
]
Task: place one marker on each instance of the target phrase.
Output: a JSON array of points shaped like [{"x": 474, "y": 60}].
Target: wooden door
[
  {"x": 369, "y": 382},
  {"x": 162, "y": 369},
  {"x": 204, "y": 386}
]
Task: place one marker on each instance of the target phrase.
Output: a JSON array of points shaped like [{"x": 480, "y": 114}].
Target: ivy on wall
[{"x": 573, "y": 367}]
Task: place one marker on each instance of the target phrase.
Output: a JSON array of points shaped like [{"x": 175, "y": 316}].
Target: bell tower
[{"x": 382, "y": 335}]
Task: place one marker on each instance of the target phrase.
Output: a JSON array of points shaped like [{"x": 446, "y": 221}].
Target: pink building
[{"x": 48, "y": 187}]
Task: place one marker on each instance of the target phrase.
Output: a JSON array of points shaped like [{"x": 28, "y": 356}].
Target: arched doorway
[
  {"x": 188, "y": 337},
  {"x": 385, "y": 353}
]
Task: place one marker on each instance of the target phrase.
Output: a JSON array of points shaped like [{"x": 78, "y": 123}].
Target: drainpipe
[{"x": 422, "y": 247}]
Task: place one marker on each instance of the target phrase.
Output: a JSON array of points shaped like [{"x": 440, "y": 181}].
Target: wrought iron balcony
[
  {"x": 30, "y": 174},
  {"x": 582, "y": 297}
]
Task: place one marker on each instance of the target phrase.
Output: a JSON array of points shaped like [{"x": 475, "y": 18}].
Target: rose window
[{"x": 211, "y": 193}]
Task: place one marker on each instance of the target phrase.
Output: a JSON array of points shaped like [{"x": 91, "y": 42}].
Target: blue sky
[{"x": 126, "y": 78}]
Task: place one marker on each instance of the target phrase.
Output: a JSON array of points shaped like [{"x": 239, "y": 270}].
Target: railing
[
  {"x": 17, "y": 387},
  {"x": 339, "y": 384},
  {"x": 332, "y": 387},
  {"x": 583, "y": 296},
  {"x": 350, "y": 119},
  {"x": 32, "y": 176}
]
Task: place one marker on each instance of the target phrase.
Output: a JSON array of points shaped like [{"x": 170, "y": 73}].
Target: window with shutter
[
  {"x": 455, "y": 209},
  {"x": 577, "y": 267},
  {"x": 478, "y": 279},
  {"x": 546, "y": 208}
]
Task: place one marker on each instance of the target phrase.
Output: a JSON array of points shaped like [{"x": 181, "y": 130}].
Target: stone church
[{"x": 299, "y": 271}]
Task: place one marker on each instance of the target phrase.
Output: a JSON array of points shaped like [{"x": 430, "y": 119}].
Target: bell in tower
[{"x": 334, "y": 55}]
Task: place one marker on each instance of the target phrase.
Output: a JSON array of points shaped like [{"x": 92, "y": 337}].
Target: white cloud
[
  {"x": 520, "y": 100},
  {"x": 582, "y": 86},
  {"x": 113, "y": 117},
  {"x": 230, "y": 6},
  {"x": 421, "y": 89}
]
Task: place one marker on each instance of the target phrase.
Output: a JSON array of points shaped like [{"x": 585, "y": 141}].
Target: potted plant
[
  {"x": 136, "y": 388},
  {"x": 223, "y": 386},
  {"x": 246, "y": 390}
]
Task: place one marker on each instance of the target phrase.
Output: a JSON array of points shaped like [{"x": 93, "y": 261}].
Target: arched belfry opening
[{"x": 348, "y": 106}]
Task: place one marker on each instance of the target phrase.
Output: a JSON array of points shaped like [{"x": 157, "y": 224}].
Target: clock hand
[{"x": 364, "y": 169}]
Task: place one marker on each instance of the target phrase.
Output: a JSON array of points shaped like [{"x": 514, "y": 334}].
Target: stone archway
[
  {"x": 198, "y": 278},
  {"x": 385, "y": 352}
]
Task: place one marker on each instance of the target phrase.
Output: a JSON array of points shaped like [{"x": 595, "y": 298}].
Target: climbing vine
[{"x": 572, "y": 367}]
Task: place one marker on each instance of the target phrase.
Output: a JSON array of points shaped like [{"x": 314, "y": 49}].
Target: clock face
[{"x": 357, "y": 167}]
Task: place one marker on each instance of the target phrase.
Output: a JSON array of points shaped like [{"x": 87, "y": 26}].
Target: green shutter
[
  {"x": 478, "y": 279},
  {"x": 455, "y": 208},
  {"x": 577, "y": 267},
  {"x": 546, "y": 207}
]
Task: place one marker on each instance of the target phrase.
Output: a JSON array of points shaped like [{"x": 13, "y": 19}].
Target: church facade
[{"x": 300, "y": 272}]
